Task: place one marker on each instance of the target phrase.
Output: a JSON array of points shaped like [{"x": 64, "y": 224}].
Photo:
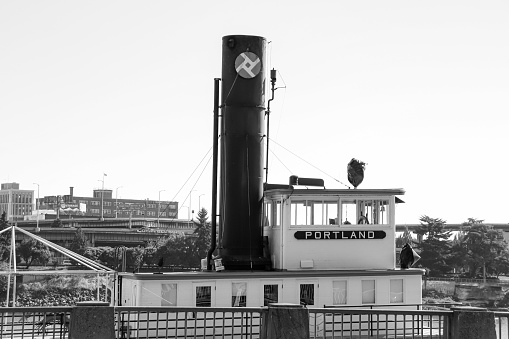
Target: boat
[{"x": 297, "y": 242}]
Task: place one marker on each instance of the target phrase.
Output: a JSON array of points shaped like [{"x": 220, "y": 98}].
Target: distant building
[
  {"x": 70, "y": 205},
  {"x": 14, "y": 202}
]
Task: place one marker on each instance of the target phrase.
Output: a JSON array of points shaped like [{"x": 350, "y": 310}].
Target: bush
[{"x": 60, "y": 290}]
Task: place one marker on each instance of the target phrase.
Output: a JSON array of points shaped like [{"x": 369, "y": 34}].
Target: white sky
[{"x": 416, "y": 89}]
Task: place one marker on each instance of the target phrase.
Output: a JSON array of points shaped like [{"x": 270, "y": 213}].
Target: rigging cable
[
  {"x": 282, "y": 163},
  {"x": 307, "y": 162},
  {"x": 203, "y": 170},
  {"x": 167, "y": 207}
]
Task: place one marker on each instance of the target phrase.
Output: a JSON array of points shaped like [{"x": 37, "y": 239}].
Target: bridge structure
[
  {"x": 504, "y": 227},
  {"x": 137, "y": 232},
  {"x": 109, "y": 232},
  {"x": 452, "y": 227}
]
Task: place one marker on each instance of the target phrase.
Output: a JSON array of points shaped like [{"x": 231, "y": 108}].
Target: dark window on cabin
[
  {"x": 307, "y": 294},
  {"x": 203, "y": 296},
  {"x": 270, "y": 294}
]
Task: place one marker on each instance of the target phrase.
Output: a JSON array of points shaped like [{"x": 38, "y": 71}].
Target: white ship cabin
[
  {"x": 327, "y": 247},
  {"x": 318, "y": 229}
]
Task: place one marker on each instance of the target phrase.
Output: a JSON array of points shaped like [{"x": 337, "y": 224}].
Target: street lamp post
[
  {"x": 188, "y": 214},
  {"x": 102, "y": 198},
  {"x": 191, "y": 203},
  {"x": 37, "y": 229},
  {"x": 116, "y": 201},
  {"x": 159, "y": 206}
]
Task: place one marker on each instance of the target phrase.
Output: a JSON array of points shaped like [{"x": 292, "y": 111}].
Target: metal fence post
[
  {"x": 473, "y": 323},
  {"x": 286, "y": 321},
  {"x": 92, "y": 320}
]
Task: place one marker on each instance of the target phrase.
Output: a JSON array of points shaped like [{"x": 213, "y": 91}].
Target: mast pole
[
  {"x": 267, "y": 113},
  {"x": 214, "y": 175}
]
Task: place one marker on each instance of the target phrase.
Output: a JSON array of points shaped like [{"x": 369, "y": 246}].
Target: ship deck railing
[{"x": 240, "y": 322}]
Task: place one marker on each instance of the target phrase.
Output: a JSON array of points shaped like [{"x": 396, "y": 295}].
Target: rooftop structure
[
  {"x": 15, "y": 202},
  {"x": 103, "y": 204}
]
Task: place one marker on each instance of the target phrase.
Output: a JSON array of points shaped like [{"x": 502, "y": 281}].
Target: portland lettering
[{"x": 337, "y": 235}]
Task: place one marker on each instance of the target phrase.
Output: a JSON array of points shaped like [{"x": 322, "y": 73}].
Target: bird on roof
[{"x": 355, "y": 171}]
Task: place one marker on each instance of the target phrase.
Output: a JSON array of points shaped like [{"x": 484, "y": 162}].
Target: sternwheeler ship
[{"x": 298, "y": 243}]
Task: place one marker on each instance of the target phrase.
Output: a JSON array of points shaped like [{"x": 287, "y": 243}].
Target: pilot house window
[
  {"x": 364, "y": 211},
  {"x": 272, "y": 213},
  {"x": 314, "y": 212}
]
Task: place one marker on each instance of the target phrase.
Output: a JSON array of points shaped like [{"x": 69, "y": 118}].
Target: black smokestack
[{"x": 242, "y": 141}]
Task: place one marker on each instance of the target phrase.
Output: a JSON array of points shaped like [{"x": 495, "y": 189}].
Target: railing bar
[
  {"x": 23, "y": 323},
  {"x": 214, "y": 317},
  {"x": 204, "y": 324},
  {"x": 435, "y": 325},
  {"x": 246, "y": 316},
  {"x": 167, "y": 316},
  {"x": 177, "y": 316},
  {"x": 405, "y": 320},
  {"x": 138, "y": 324},
  {"x": 241, "y": 315},
  {"x": 148, "y": 323},
  {"x": 314, "y": 323},
  {"x": 351, "y": 325},
  {"x": 185, "y": 325},
  {"x": 249, "y": 324},
  {"x": 195, "y": 324},
  {"x": 416, "y": 319},
  {"x": 223, "y": 324},
  {"x": 439, "y": 325},
  {"x": 157, "y": 324},
  {"x": 12, "y": 322},
  {"x": 404, "y": 326}
]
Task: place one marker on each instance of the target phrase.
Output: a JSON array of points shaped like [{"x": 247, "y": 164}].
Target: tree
[
  {"x": 435, "y": 248},
  {"x": 458, "y": 253},
  {"x": 202, "y": 233},
  {"x": 405, "y": 238},
  {"x": 500, "y": 264},
  {"x": 185, "y": 251},
  {"x": 80, "y": 242},
  {"x": 33, "y": 251},
  {"x": 5, "y": 242},
  {"x": 484, "y": 247},
  {"x": 3, "y": 221},
  {"x": 57, "y": 223},
  {"x": 134, "y": 257}
]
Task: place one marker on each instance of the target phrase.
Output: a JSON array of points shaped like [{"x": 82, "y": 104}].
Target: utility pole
[
  {"x": 102, "y": 198},
  {"x": 37, "y": 229},
  {"x": 116, "y": 201},
  {"x": 159, "y": 207}
]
